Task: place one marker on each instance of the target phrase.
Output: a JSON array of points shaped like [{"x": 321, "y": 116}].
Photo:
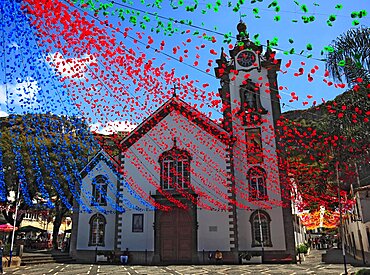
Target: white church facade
[{"x": 184, "y": 186}]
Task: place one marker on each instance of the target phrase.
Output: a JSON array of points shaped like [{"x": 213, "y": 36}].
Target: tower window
[
  {"x": 254, "y": 145},
  {"x": 251, "y": 106},
  {"x": 257, "y": 183}
]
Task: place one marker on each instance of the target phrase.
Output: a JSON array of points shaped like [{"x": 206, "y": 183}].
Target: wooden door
[{"x": 176, "y": 229}]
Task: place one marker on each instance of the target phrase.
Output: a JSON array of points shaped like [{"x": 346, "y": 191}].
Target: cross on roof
[{"x": 174, "y": 90}]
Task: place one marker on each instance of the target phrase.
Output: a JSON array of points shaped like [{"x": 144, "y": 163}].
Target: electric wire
[{"x": 133, "y": 38}]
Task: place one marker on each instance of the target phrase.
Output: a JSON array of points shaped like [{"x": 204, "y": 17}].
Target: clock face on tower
[{"x": 246, "y": 58}]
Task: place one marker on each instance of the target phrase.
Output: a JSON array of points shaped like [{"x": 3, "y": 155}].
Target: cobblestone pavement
[{"x": 312, "y": 265}]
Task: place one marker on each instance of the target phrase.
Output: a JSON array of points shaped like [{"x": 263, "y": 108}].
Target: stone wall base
[{"x": 202, "y": 257}]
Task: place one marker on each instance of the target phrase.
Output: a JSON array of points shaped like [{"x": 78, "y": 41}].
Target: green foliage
[
  {"x": 245, "y": 255},
  {"x": 302, "y": 248},
  {"x": 341, "y": 126},
  {"x": 363, "y": 272},
  {"x": 316, "y": 138},
  {"x": 51, "y": 131},
  {"x": 34, "y": 133},
  {"x": 353, "y": 48},
  {"x": 6, "y": 249}
]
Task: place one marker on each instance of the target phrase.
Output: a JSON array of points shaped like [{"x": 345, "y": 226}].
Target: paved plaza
[
  {"x": 79, "y": 269},
  {"x": 312, "y": 265}
]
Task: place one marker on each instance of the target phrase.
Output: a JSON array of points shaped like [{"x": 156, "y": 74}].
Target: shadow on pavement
[{"x": 335, "y": 256}]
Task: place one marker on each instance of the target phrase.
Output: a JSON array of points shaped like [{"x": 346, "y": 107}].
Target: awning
[
  {"x": 30, "y": 228},
  {"x": 6, "y": 227}
]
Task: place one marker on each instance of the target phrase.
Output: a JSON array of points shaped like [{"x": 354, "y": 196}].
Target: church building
[{"x": 184, "y": 186}]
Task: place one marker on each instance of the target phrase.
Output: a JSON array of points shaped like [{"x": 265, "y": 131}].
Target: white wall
[
  {"x": 137, "y": 241},
  {"x": 276, "y": 229},
  {"x": 83, "y": 232},
  {"x": 268, "y": 142},
  {"x": 269, "y": 164},
  {"x": 364, "y": 205},
  {"x": 213, "y": 240},
  {"x": 358, "y": 223},
  {"x": 208, "y": 177}
]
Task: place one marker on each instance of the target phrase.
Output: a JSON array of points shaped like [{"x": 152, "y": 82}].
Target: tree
[
  {"x": 349, "y": 56},
  {"x": 348, "y": 115},
  {"x": 44, "y": 152},
  {"x": 305, "y": 159},
  {"x": 337, "y": 131}
]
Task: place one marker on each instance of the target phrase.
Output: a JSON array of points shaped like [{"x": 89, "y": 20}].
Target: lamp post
[
  {"x": 261, "y": 235},
  {"x": 341, "y": 220},
  {"x": 97, "y": 237},
  {"x": 358, "y": 218},
  {"x": 14, "y": 224}
]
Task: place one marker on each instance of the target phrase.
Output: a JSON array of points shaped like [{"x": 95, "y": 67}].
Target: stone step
[
  {"x": 47, "y": 258},
  {"x": 36, "y": 261}
]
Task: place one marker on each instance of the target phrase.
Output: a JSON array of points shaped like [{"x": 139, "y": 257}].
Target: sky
[
  {"x": 34, "y": 83},
  {"x": 317, "y": 33},
  {"x": 116, "y": 71}
]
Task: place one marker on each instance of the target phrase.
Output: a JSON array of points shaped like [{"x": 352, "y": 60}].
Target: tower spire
[{"x": 242, "y": 29}]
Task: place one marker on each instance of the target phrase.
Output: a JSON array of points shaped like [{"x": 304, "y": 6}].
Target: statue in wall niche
[{"x": 250, "y": 97}]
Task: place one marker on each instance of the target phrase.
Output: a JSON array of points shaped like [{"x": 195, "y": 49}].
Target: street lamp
[
  {"x": 261, "y": 235},
  {"x": 96, "y": 236},
  {"x": 341, "y": 219},
  {"x": 14, "y": 223},
  {"x": 358, "y": 218}
]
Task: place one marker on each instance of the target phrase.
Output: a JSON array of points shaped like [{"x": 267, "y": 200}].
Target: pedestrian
[
  {"x": 210, "y": 256},
  {"x": 124, "y": 257},
  {"x": 316, "y": 245},
  {"x": 218, "y": 256},
  {"x": 1, "y": 257}
]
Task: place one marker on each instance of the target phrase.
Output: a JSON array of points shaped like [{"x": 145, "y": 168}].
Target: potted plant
[
  {"x": 301, "y": 250},
  {"x": 245, "y": 257},
  {"x": 249, "y": 258}
]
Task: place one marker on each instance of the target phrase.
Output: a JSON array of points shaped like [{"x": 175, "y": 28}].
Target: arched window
[
  {"x": 99, "y": 190},
  {"x": 175, "y": 168},
  {"x": 260, "y": 223},
  {"x": 257, "y": 183},
  {"x": 97, "y": 230}
]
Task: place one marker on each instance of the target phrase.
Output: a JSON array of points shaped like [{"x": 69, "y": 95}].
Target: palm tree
[{"x": 350, "y": 56}]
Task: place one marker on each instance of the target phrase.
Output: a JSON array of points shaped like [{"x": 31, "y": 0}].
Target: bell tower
[
  {"x": 248, "y": 82},
  {"x": 251, "y": 107}
]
